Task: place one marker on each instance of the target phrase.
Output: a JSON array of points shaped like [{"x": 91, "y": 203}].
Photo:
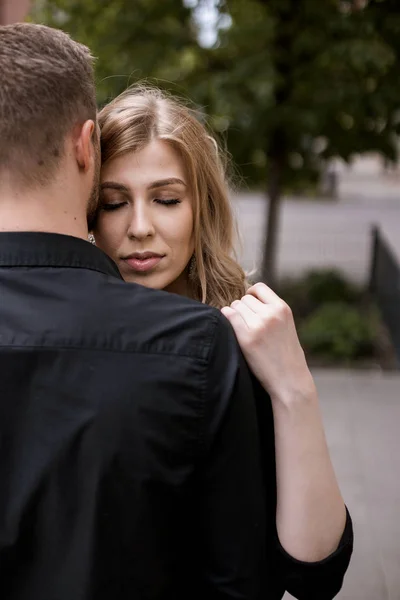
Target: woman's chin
[
  {"x": 174, "y": 286},
  {"x": 144, "y": 282},
  {"x": 149, "y": 281}
]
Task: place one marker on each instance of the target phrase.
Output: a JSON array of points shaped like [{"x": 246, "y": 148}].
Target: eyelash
[
  {"x": 111, "y": 207},
  {"x": 169, "y": 202}
]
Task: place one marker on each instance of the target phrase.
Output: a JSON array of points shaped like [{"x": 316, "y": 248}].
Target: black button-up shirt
[{"x": 131, "y": 464}]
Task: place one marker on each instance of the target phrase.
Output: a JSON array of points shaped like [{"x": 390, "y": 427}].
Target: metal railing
[{"x": 385, "y": 284}]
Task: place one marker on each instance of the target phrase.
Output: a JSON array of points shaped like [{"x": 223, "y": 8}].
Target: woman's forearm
[{"x": 310, "y": 509}]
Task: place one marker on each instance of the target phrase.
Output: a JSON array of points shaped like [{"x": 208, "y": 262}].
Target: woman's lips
[{"x": 142, "y": 264}]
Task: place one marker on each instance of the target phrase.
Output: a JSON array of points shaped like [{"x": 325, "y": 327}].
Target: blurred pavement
[
  {"x": 327, "y": 233},
  {"x": 361, "y": 413}
]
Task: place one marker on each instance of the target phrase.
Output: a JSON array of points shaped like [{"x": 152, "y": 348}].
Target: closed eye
[
  {"x": 168, "y": 201},
  {"x": 111, "y": 207}
]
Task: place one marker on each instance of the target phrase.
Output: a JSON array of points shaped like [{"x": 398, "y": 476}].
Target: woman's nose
[{"x": 141, "y": 225}]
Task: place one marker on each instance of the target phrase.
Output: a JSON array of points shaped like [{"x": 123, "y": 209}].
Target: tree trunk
[
  {"x": 274, "y": 192},
  {"x": 277, "y": 143}
]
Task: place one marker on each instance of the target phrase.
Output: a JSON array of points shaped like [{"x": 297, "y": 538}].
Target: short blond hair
[
  {"x": 142, "y": 114},
  {"x": 47, "y": 87}
]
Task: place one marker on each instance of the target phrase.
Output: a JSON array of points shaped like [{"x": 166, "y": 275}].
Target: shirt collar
[{"x": 37, "y": 249}]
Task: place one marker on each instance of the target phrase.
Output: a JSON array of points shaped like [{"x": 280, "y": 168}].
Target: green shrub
[
  {"x": 329, "y": 286},
  {"x": 317, "y": 288},
  {"x": 338, "y": 331}
]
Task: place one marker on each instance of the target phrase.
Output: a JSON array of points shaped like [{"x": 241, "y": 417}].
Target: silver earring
[
  {"x": 91, "y": 239},
  {"x": 192, "y": 266}
]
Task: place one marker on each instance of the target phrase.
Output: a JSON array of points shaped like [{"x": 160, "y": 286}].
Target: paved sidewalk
[
  {"x": 327, "y": 233},
  {"x": 315, "y": 234},
  {"x": 362, "y": 418}
]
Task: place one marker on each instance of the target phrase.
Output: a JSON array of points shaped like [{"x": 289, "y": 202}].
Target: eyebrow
[
  {"x": 165, "y": 182},
  {"x": 112, "y": 185}
]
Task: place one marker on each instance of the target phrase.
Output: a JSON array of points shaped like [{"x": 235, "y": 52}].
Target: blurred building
[{"x": 12, "y": 11}]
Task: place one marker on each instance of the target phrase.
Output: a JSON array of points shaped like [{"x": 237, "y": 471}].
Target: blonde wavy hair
[{"x": 142, "y": 114}]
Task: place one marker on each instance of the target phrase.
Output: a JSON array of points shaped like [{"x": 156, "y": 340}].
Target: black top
[{"x": 130, "y": 463}]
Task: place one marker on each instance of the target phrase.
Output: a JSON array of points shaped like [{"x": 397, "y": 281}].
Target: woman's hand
[{"x": 266, "y": 332}]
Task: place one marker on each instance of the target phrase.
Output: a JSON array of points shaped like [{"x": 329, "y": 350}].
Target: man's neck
[{"x": 51, "y": 215}]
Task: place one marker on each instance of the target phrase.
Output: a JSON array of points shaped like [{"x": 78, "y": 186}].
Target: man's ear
[{"x": 84, "y": 148}]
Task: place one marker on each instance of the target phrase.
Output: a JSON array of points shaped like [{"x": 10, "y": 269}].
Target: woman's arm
[
  {"x": 310, "y": 510},
  {"x": 311, "y": 514},
  {"x": 320, "y": 580}
]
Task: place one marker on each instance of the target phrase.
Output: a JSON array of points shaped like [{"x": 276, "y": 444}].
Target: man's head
[{"x": 47, "y": 109}]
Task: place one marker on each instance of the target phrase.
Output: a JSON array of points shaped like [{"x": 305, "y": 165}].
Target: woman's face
[{"x": 145, "y": 221}]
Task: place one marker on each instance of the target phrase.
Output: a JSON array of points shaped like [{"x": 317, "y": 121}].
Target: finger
[
  {"x": 248, "y": 315},
  {"x": 239, "y": 325},
  {"x": 264, "y": 294},
  {"x": 228, "y": 312},
  {"x": 234, "y": 317},
  {"x": 258, "y": 307}
]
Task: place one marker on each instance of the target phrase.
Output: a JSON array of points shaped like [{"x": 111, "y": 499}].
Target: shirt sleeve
[
  {"x": 232, "y": 508},
  {"x": 321, "y": 580},
  {"x": 304, "y": 580}
]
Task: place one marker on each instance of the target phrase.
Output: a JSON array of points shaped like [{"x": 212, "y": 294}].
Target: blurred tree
[
  {"x": 298, "y": 81},
  {"x": 384, "y": 16},
  {"x": 132, "y": 40}
]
